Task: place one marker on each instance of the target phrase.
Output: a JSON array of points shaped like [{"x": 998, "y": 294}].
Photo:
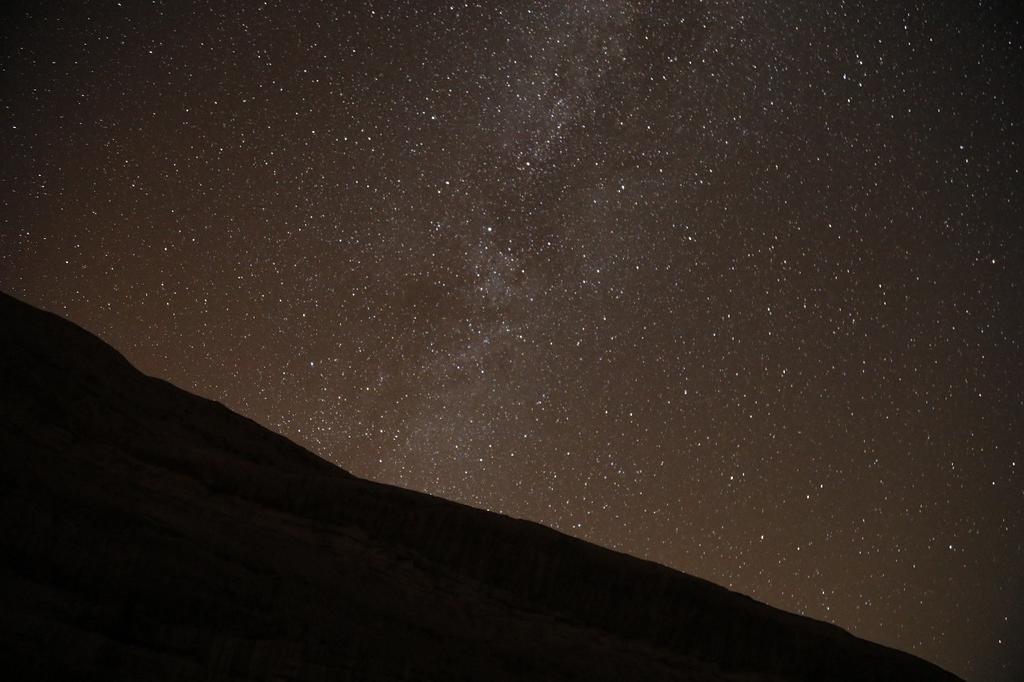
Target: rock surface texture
[{"x": 147, "y": 533}]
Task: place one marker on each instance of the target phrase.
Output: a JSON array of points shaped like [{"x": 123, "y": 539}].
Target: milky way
[{"x": 732, "y": 286}]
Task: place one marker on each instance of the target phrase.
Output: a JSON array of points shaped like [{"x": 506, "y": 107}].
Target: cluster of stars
[{"x": 729, "y": 287}]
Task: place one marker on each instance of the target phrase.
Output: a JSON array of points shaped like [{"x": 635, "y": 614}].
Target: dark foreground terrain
[{"x": 149, "y": 534}]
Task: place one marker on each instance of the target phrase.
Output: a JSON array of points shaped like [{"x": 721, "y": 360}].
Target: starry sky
[{"x": 733, "y": 286}]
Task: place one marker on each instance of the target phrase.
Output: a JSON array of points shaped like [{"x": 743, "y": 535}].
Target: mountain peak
[{"x": 150, "y": 533}]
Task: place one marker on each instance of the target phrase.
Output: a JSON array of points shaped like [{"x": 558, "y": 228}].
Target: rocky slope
[{"x": 146, "y": 533}]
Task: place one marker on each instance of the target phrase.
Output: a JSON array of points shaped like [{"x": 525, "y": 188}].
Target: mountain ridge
[{"x": 154, "y": 530}]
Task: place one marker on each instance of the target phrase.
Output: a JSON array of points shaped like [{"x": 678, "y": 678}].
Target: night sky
[{"x": 733, "y": 286}]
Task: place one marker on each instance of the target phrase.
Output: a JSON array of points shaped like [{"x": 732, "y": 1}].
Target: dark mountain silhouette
[{"x": 149, "y": 534}]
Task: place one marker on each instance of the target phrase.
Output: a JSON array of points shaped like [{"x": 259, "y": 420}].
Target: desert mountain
[{"x": 150, "y": 534}]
